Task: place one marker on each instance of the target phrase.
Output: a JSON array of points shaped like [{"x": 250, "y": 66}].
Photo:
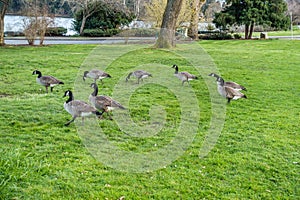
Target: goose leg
[
  {"x": 109, "y": 114},
  {"x": 101, "y": 116},
  {"x": 51, "y": 88},
  {"x": 69, "y": 122},
  {"x": 228, "y": 100},
  {"x": 46, "y": 89}
]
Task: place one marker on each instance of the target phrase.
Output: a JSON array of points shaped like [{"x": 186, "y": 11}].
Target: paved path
[
  {"x": 78, "y": 40},
  {"x": 103, "y": 40}
]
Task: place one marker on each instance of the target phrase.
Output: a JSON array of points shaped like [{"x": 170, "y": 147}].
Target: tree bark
[
  {"x": 82, "y": 25},
  {"x": 87, "y": 12},
  {"x": 137, "y": 8},
  {"x": 166, "y": 38},
  {"x": 193, "y": 29},
  {"x": 3, "y": 9},
  {"x": 42, "y": 35},
  {"x": 246, "y": 31},
  {"x": 251, "y": 30}
]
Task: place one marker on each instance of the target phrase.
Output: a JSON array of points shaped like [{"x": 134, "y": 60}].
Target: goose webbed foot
[{"x": 69, "y": 122}]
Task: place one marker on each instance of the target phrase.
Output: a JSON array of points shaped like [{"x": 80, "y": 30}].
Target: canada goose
[
  {"x": 184, "y": 76},
  {"x": 95, "y": 74},
  {"x": 47, "y": 81},
  {"x": 231, "y": 84},
  {"x": 78, "y": 108},
  {"x": 103, "y": 103},
  {"x": 228, "y": 92},
  {"x": 139, "y": 74}
]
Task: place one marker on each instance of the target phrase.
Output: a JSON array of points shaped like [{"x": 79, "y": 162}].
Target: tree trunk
[
  {"x": 166, "y": 38},
  {"x": 82, "y": 25},
  {"x": 42, "y": 36},
  {"x": 246, "y": 31},
  {"x": 86, "y": 14},
  {"x": 193, "y": 29},
  {"x": 2, "y": 43},
  {"x": 3, "y": 9},
  {"x": 251, "y": 30},
  {"x": 137, "y": 8}
]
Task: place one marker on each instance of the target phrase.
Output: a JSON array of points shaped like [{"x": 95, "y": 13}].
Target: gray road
[
  {"x": 104, "y": 40},
  {"x": 74, "y": 40}
]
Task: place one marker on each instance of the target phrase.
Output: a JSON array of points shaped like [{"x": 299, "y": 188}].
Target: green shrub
[
  {"x": 13, "y": 33},
  {"x": 139, "y": 32},
  {"x": 106, "y": 16},
  {"x": 216, "y": 36},
  {"x": 100, "y": 32},
  {"x": 237, "y": 36},
  {"x": 56, "y": 31}
]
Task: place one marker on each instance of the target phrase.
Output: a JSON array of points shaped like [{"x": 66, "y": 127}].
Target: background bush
[
  {"x": 13, "y": 33},
  {"x": 56, "y": 31},
  {"x": 100, "y": 32},
  {"x": 216, "y": 36},
  {"x": 139, "y": 32}
]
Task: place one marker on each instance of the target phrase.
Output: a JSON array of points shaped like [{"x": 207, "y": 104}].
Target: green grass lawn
[
  {"x": 256, "y": 155},
  {"x": 296, "y": 31}
]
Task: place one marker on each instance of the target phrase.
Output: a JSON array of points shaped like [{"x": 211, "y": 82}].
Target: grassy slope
[
  {"x": 296, "y": 32},
  {"x": 257, "y": 155},
  {"x": 262, "y": 135}
]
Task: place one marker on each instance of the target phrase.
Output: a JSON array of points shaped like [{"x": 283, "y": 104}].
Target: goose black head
[
  {"x": 68, "y": 93},
  {"x": 214, "y": 75},
  {"x": 84, "y": 75},
  {"x": 36, "y": 72},
  {"x": 220, "y": 80},
  {"x": 94, "y": 85},
  {"x": 175, "y": 66}
]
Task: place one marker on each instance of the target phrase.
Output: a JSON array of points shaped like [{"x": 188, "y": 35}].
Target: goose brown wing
[
  {"x": 49, "y": 80},
  {"x": 102, "y": 102},
  {"x": 116, "y": 104},
  {"x": 231, "y": 93},
  {"x": 81, "y": 106},
  {"x": 184, "y": 74},
  {"x": 99, "y": 73},
  {"x": 142, "y": 72},
  {"x": 107, "y": 101},
  {"x": 188, "y": 75},
  {"x": 234, "y": 85}
]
